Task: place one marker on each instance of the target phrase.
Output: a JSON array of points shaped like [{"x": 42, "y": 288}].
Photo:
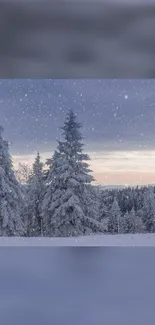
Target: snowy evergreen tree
[
  {"x": 149, "y": 210},
  {"x": 107, "y": 197},
  {"x": 66, "y": 203},
  {"x": 93, "y": 201},
  {"x": 11, "y": 200},
  {"x": 48, "y": 166},
  {"x": 125, "y": 223},
  {"x": 139, "y": 225},
  {"x": 104, "y": 213},
  {"x": 103, "y": 209},
  {"x": 114, "y": 218},
  {"x": 36, "y": 188},
  {"x": 131, "y": 223},
  {"x": 136, "y": 223}
]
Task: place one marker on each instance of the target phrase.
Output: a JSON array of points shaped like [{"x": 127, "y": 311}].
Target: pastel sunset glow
[{"x": 114, "y": 167}]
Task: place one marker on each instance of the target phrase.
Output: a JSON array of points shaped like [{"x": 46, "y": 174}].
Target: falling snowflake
[{"x": 126, "y": 96}]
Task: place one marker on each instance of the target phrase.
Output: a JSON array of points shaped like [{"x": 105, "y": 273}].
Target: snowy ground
[
  {"x": 88, "y": 241},
  {"x": 108, "y": 285}
]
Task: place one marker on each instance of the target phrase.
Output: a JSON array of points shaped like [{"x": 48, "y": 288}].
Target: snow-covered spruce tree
[
  {"x": 36, "y": 188},
  {"x": 103, "y": 208},
  {"x": 11, "y": 200},
  {"x": 131, "y": 223},
  {"x": 125, "y": 223},
  {"x": 149, "y": 210},
  {"x": 107, "y": 198},
  {"x": 104, "y": 213},
  {"x": 66, "y": 203},
  {"x": 92, "y": 201},
  {"x": 48, "y": 166},
  {"x": 114, "y": 218},
  {"x": 135, "y": 223}
]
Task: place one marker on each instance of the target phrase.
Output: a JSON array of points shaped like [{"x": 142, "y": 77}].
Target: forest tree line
[{"x": 57, "y": 199}]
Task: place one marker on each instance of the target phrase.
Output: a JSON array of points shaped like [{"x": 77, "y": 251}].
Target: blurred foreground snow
[{"x": 72, "y": 286}]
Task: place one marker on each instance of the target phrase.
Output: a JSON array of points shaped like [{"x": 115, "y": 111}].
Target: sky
[{"x": 118, "y": 118}]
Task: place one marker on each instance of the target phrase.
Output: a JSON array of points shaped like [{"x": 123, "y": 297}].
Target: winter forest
[{"x": 59, "y": 198}]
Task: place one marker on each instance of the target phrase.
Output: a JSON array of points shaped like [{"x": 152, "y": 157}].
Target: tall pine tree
[
  {"x": 149, "y": 210},
  {"x": 36, "y": 187},
  {"x": 136, "y": 223},
  {"x": 114, "y": 218},
  {"x": 11, "y": 200},
  {"x": 67, "y": 203},
  {"x": 125, "y": 223}
]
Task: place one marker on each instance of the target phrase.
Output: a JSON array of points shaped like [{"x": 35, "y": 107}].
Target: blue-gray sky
[{"x": 118, "y": 118}]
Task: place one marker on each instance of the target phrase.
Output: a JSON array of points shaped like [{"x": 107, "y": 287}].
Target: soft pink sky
[{"x": 113, "y": 167}]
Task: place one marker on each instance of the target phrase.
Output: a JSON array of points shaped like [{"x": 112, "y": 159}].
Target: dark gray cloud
[{"x": 114, "y": 113}]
